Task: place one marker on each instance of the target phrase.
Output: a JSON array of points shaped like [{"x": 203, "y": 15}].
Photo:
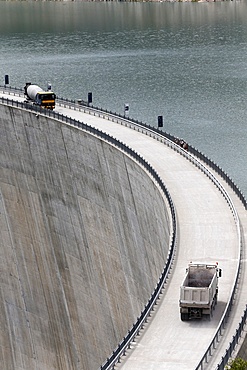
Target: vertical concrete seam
[{"x": 19, "y": 280}]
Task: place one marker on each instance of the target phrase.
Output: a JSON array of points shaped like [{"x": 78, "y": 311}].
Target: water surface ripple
[{"x": 185, "y": 61}]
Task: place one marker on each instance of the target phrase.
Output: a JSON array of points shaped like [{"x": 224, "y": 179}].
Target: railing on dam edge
[
  {"x": 137, "y": 326},
  {"x": 73, "y": 104},
  {"x": 120, "y": 350}
]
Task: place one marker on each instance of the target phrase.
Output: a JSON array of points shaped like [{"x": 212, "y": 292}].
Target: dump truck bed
[
  {"x": 199, "y": 276},
  {"x": 198, "y": 292}
]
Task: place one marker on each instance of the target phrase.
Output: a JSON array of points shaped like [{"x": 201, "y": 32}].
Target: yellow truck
[{"x": 45, "y": 99}]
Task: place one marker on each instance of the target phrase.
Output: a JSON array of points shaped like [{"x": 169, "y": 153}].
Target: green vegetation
[{"x": 237, "y": 364}]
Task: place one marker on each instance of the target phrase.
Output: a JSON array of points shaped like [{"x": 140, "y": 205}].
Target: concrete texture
[
  {"x": 243, "y": 350},
  {"x": 207, "y": 233},
  {"x": 84, "y": 234}
]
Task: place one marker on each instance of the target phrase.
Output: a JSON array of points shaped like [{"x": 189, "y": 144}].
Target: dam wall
[{"x": 84, "y": 235}]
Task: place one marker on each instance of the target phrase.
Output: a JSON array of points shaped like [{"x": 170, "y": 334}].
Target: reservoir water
[{"x": 185, "y": 61}]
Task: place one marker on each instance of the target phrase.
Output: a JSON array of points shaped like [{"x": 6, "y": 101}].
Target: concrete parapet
[{"x": 84, "y": 238}]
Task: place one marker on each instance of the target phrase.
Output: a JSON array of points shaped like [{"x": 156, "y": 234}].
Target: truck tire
[{"x": 184, "y": 316}]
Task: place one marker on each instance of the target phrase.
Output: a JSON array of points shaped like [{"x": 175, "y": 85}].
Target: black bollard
[
  {"x": 6, "y": 79},
  {"x": 160, "y": 121},
  {"x": 90, "y": 98}
]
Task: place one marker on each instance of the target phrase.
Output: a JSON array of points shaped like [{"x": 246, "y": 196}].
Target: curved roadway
[{"x": 206, "y": 233}]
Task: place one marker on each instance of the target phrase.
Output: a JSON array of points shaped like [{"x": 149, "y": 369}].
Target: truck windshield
[{"x": 47, "y": 96}]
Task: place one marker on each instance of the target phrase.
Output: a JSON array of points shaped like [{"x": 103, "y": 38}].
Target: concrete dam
[
  {"x": 86, "y": 230},
  {"x": 84, "y": 237}
]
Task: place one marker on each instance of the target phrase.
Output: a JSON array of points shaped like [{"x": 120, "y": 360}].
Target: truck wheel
[
  {"x": 184, "y": 316},
  {"x": 214, "y": 304}
]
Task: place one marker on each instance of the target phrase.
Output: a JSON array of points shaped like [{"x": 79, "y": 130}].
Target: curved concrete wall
[{"x": 84, "y": 236}]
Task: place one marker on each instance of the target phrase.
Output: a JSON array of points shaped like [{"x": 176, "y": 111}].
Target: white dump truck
[{"x": 199, "y": 290}]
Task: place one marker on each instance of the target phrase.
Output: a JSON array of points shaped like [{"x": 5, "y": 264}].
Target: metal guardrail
[
  {"x": 193, "y": 155},
  {"x": 116, "y": 117},
  {"x": 169, "y": 139},
  {"x": 12, "y": 90},
  {"x": 137, "y": 326},
  {"x": 234, "y": 342}
]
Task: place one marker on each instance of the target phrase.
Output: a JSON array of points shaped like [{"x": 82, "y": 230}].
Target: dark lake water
[{"x": 185, "y": 61}]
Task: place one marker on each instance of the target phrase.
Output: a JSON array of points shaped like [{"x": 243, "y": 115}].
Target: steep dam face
[{"x": 84, "y": 236}]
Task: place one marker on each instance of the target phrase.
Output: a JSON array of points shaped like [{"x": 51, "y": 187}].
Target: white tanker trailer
[{"x": 40, "y": 97}]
